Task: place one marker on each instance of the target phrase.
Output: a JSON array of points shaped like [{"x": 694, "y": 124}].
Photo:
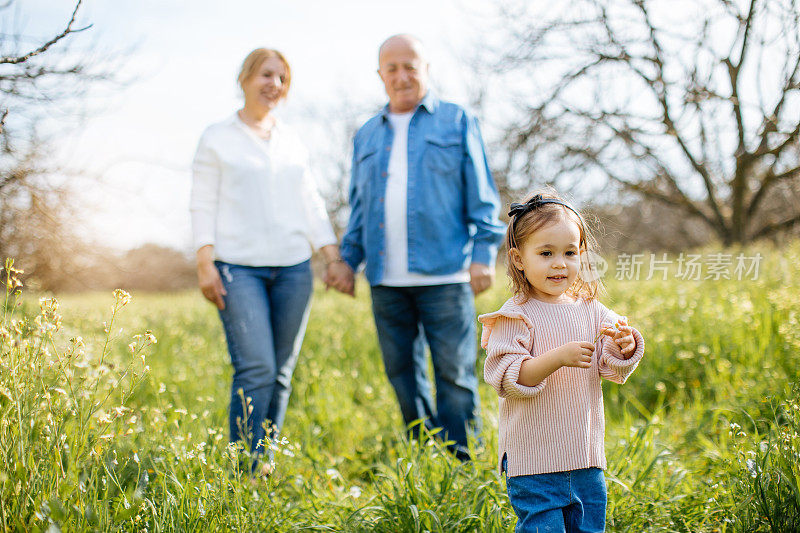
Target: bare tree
[
  {"x": 22, "y": 81},
  {"x": 693, "y": 104},
  {"x": 36, "y": 80}
]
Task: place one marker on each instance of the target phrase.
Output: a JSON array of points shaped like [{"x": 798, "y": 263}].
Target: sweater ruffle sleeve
[{"x": 507, "y": 337}]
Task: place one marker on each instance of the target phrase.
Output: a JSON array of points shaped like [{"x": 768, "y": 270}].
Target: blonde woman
[{"x": 256, "y": 217}]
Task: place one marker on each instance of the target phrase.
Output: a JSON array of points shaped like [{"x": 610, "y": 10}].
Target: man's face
[{"x": 404, "y": 74}]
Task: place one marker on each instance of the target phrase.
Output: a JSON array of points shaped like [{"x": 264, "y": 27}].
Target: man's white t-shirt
[{"x": 396, "y": 272}]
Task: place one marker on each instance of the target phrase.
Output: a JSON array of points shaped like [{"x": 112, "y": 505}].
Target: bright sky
[{"x": 183, "y": 66}]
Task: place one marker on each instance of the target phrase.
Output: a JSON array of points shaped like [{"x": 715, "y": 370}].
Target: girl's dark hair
[{"x": 587, "y": 285}]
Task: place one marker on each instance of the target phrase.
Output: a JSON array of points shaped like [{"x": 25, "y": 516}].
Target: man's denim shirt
[{"x": 452, "y": 199}]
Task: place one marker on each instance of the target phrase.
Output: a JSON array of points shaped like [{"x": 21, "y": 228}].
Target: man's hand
[
  {"x": 340, "y": 276},
  {"x": 208, "y": 277},
  {"x": 481, "y": 277}
]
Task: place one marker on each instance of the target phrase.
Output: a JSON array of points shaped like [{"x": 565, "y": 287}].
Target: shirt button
[
  {"x": 383, "y": 174},
  {"x": 381, "y": 199},
  {"x": 388, "y": 148},
  {"x": 380, "y": 225},
  {"x": 381, "y": 252}
]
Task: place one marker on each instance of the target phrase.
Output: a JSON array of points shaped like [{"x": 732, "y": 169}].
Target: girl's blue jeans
[
  {"x": 572, "y": 501},
  {"x": 265, "y": 316}
]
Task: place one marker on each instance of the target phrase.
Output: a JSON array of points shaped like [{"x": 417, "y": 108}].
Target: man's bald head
[
  {"x": 404, "y": 70},
  {"x": 403, "y": 41}
]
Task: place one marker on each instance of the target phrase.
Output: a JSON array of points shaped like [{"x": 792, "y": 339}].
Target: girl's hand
[
  {"x": 577, "y": 354},
  {"x": 623, "y": 337}
]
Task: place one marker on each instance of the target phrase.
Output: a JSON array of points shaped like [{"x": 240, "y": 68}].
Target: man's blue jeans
[
  {"x": 444, "y": 315},
  {"x": 572, "y": 501},
  {"x": 265, "y": 316}
]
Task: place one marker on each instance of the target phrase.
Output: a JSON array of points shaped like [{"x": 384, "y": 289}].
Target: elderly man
[{"x": 424, "y": 220}]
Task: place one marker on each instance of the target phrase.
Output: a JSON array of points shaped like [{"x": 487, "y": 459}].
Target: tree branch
[
  {"x": 647, "y": 190},
  {"x": 659, "y": 88},
  {"x": 791, "y": 173},
  {"x": 733, "y": 74},
  {"x": 770, "y": 122},
  {"x": 771, "y": 229},
  {"x": 647, "y": 104},
  {"x": 744, "y": 160},
  {"x": 747, "y": 26},
  {"x": 766, "y": 183},
  {"x": 791, "y": 138},
  {"x": 650, "y": 190},
  {"x": 11, "y": 60}
]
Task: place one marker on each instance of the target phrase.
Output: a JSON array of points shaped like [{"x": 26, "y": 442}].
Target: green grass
[{"x": 703, "y": 437}]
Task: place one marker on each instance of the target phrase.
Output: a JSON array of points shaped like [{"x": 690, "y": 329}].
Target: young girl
[{"x": 547, "y": 348}]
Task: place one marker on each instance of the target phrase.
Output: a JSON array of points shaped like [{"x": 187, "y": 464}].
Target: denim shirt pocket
[
  {"x": 365, "y": 161},
  {"x": 443, "y": 154}
]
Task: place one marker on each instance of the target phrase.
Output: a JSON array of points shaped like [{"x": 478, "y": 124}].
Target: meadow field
[{"x": 113, "y": 417}]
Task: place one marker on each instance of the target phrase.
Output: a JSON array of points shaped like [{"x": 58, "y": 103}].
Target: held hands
[
  {"x": 340, "y": 276},
  {"x": 338, "y": 273},
  {"x": 481, "y": 277},
  {"x": 623, "y": 337}
]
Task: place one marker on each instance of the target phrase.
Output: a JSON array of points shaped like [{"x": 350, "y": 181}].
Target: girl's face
[{"x": 550, "y": 259}]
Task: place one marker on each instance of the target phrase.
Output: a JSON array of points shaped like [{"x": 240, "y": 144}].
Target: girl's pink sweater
[{"x": 557, "y": 425}]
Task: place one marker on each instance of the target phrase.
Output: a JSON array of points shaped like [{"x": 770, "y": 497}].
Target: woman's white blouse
[{"x": 255, "y": 200}]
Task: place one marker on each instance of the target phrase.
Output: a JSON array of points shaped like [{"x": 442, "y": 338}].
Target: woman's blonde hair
[
  {"x": 254, "y": 60},
  {"x": 540, "y": 209}
]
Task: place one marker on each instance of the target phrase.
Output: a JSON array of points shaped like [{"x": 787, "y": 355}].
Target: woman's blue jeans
[
  {"x": 444, "y": 315},
  {"x": 265, "y": 317}
]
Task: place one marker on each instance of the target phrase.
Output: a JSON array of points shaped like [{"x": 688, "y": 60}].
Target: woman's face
[{"x": 265, "y": 87}]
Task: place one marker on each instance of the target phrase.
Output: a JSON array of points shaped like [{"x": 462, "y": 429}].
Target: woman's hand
[{"x": 208, "y": 277}]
